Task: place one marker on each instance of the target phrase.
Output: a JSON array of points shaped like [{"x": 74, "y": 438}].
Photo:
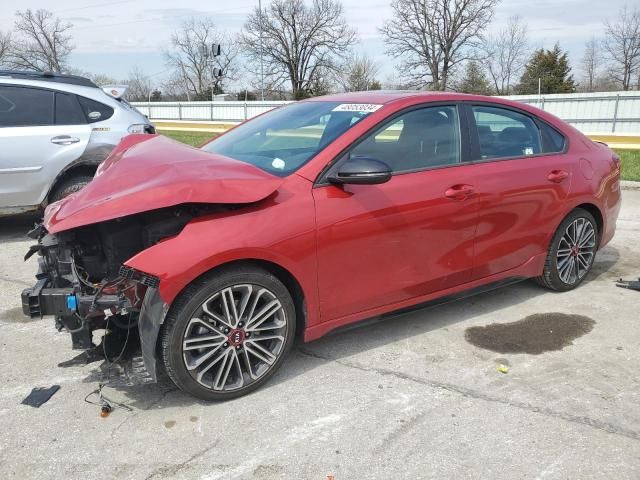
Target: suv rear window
[
  {"x": 24, "y": 107},
  {"x": 95, "y": 111},
  {"x": 68, "y": 110}
]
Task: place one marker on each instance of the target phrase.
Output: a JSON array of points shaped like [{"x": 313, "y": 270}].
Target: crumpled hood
[{"x": 147, "y": 172}]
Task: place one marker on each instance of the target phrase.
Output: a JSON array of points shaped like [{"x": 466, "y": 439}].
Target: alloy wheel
[
  {"x": 234, "y": 337},
  {"x": 576, "y": 251}
]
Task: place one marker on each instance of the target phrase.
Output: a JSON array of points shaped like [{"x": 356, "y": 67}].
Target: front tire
[
  {"x": 228, "y": 333},
  {"x": 571, "y": 253}
]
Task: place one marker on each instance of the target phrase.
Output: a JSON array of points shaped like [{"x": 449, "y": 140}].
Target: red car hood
[{"x": 146, "y": 172}]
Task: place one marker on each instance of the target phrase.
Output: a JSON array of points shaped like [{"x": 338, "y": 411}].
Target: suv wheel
[
  {"x": 571, "y": 253},
  {"x": 69, "y": 186},
  {"x": 228, "y": 333}
]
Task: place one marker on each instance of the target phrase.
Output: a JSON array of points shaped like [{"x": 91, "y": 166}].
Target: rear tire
[
  {"x": 571, "y": 253},
  {"x": 68, "y": 186},
  {"x": 228, "y": 333}
]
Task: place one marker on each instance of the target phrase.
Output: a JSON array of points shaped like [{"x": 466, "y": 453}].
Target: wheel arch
[
  {"x": 597, "y": 214},
  {"x": 286, "y": 277},
  {"x": 281, "y": 273},
  {"x": 86, "y": 164}
]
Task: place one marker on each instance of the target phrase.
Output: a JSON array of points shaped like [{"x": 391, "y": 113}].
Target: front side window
[
  {"x": 505, "y": 133},
  {"x": 25, "y": 107},
  {"x": 283, "y": 140},
  {"x": 419, "y": 139}
]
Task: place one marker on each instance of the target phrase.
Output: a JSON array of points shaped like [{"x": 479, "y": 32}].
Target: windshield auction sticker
[{"x": 357, "y": 107}]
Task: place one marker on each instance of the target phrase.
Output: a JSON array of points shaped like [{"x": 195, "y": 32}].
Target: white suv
[{"x": 54, "y": 132}]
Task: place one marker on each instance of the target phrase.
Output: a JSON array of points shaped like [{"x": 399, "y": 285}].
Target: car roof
[
  {"x": 386, "y": 96},
  {"x": 47, "y": 77},
  {"x": 94, "y": 92}
]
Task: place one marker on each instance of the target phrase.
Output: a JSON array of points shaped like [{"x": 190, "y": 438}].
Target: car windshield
[{"x": 283, "y": 140}]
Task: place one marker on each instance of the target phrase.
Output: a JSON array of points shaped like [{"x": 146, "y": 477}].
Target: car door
[
  {"x": 382, "y": 244},
  {"x": 521, "y": 179},
  {"x": 34, "y": 148}
]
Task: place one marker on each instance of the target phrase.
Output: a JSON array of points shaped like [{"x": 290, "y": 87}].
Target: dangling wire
[{"x": 107, "y": 405}]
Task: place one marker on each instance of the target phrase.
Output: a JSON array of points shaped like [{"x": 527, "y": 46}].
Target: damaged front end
[{"x": 83, "y": 283}]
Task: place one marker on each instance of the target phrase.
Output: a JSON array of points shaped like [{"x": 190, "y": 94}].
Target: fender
[{"x": 247, "y": 233}]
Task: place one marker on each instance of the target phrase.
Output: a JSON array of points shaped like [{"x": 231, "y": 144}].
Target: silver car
[{"x": 54, "y": 132}]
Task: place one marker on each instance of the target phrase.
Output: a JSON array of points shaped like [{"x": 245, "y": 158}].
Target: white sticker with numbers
[{"x": 357, "y": 107}]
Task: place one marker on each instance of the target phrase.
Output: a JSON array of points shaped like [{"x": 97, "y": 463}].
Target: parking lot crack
[
  {"x": 171, "y": 470},
  {"x": 467, "y": 392}
]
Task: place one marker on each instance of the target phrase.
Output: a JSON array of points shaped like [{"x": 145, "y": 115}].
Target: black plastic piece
[
  {"x": 129, "y": 273},
  {"x": 361, "y": 171},
  {"x": 39, "y": 301},
  {"x": 40, "y": 395},
  {"x": 630, "y": 284}
]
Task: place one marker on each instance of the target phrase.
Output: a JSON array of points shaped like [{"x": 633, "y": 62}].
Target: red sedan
[{"x": 314, "y": 216}]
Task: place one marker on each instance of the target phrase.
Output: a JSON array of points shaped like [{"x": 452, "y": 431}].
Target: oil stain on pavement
[{"x": 535, "y": 334}]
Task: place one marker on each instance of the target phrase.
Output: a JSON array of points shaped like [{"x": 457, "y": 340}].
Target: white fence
[
  {"x": 212, "y": 111},
  {"x": 611, "y": 112}
]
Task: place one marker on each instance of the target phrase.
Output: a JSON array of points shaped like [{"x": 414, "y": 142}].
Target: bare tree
[
  {"x": 139, "y": 85},
  {"x": 622, "y": 45},
  {"x": 173, "y": 88},
  {"x": 100, "y": 79},
  {"x": 358, "y": 73},
  {"x": 591, "y": 64},
  {"x": 42, "y": 41},
  {"x": 5, "y": 48},
  {"x": 506, "y": 55},
  {"x": 299, "y": 43},
  {"x": 434, "y": 36},
  {"x": 193, "y": 63}
]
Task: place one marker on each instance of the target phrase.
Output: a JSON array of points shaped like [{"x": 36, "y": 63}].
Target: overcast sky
[{"x": 113, "y": 36}]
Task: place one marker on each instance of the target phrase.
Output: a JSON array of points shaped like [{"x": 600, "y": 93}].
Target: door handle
[
  {"x": 459, "y": 192},
  {"x": 64, "y": 140},
  {"x": 557, "y": 176}
]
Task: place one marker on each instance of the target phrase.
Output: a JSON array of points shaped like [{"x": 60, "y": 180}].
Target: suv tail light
[{"x": 141, "y": 128}]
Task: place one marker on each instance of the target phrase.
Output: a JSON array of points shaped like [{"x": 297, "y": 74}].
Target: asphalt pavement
[{"x": 436, "y": 393}]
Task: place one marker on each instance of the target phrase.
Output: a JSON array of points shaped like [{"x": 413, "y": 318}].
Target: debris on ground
[
  {"x": 630, "y": 284},
  {"x": 40, "y": 395},
  {"x": 106, "y": 404},
  {"x": 502, "y": 368}
]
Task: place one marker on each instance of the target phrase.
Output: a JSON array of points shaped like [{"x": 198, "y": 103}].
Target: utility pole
[
  {"x": 261, "y": 52},
  {"x": 210, "y": 53}
]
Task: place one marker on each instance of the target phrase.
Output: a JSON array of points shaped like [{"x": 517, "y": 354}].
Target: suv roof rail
[{"x": 47, "y": 77}]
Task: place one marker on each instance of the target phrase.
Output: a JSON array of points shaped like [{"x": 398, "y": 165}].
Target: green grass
[
  {"x": 630, "y": 164},
  {"x": 630, "y": 158},
  {"x": 190, "y": 138}
]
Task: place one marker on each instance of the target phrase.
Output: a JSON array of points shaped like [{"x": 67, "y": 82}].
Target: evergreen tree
[
  {"x": 474, "y": 80},
  {"x": 552, "y": 68}
]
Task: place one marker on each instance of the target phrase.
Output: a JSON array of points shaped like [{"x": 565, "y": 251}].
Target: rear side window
[
  {"x": 504, "y": 133},
  {"x": 95, "y": 111},
  {"x": 25, "y": 107},
  {"x": 68, "y": 110},
  {"x": 555, "y": 141}
]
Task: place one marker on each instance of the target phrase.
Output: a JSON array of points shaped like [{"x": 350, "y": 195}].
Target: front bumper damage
[{"x": 128, "y": 300}]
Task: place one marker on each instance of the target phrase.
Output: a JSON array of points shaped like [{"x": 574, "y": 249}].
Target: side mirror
[{"x": 361, "y": 171}]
